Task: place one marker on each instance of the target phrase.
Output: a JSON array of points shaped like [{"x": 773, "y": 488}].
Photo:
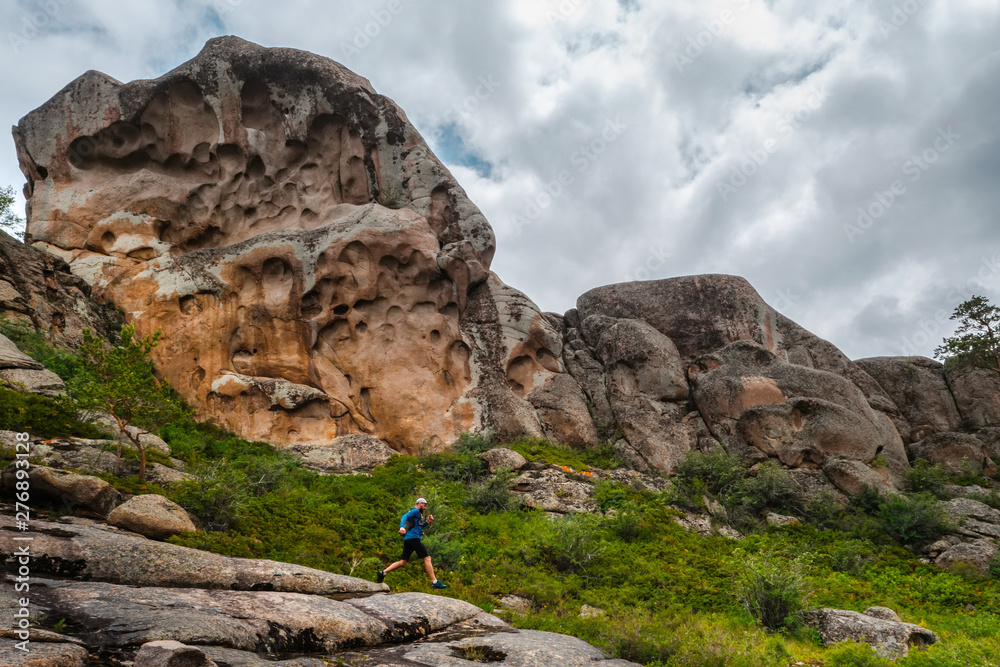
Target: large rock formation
[
  {"x": 314, "y": 269},
  {"x": 317, "y": 273}
]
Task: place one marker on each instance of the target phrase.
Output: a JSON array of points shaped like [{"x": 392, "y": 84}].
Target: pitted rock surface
[
  {"x": 310, "y": 262},
  {"x": 889, "y": 638}
]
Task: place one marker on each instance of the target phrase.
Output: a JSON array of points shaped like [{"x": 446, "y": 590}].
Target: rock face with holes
[{"x": 315, "y": 270}]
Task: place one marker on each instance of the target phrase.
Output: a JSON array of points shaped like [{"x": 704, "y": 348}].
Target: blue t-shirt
[{"x": 417, "y": 530}]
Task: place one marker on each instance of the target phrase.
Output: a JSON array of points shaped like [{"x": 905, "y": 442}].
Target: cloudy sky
[{"x": 844, "y": 157}]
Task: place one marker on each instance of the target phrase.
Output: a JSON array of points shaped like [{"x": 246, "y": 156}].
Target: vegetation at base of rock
[
  {"x": 913, "y": 520},
  {"x": 44, "y": 416},
  {"x": 119, "y": 380},
  {"x": 9, "y": 221}
]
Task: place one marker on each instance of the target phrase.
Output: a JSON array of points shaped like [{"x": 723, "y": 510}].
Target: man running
[{"x": 411, "y": 527}]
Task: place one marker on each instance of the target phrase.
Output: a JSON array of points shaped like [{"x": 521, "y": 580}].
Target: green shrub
[
  {"x": 922, "y": 477},
  {"x": 852, "y": 556},
  {"x": 716, "y": 473},
  {"x": 771, "y": 590},
  {"x": 992, "y": 499},
  {"x": 493, "y": 495},
  {"x": 912, "y": 520},
  {"x": 217, "y": 497},
  {"x": 456, "y": 466},
  {"x": 771, "y": 488},
  {"x": 475, "y": 443},
  {"x": 823, "y": 510},
  {"x": 995, "y": 566},
  {"x": 44, "y": 416},
  {"x": 62, "y": 361},
  {"x": 571, "y": 543},
  {"x": 854, "y": 654},
  {"x": 868, "y": 500},
  {"x": 610, "y": 495}
]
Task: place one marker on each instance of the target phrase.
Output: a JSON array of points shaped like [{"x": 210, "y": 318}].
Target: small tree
[
  {"x": 977, "y": 340},
  {"x": 119, "y": 380},
  {"x": 8, "y": 221}
]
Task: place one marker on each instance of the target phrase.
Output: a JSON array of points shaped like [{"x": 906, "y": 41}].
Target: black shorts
[{"x": 414, "y": 546}]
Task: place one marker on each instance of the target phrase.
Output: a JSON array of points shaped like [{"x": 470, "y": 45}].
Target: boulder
[
  {"x": 890, "y": 638},
  {"x": 122, "y": 616},
  {"x": 151, "y": 515},
  {"x": 314, "y": 269},
  {"x": 42, "y": 654},
  {"x": 37, "y": 289},
  {"x": 562, "y": 411},
  {"x": 99, "y": 456},
  {"x": 168, "y": 653},
  {"x": 850, "y": 477},
  {"x": 21, "y": 372},
  {"x": 102, "y": 553},
  {"x": 958, "y": 453},
  {"x": 345, "y": 454},
  {"x": 586, "y": 611},
  {"x": 525, "y": 648},
  {"x": 918, "y": 388},
  {"x": 761, "y": 406},
  {"x": 234, "y": 658},
  {"x": 702, "y": 314},
  {"x": 69, "y": 488},
  {"x": 515, "y": 604},
  {"x": 553, "y": 489},
  {"x": 972, "y": 518},
  {"x": 968, "y": 557},
  {"x": 977, "y": 395},
  {"x": 501, "y": 457},
  {"x": 991, "y": 437},
  {"x": 884, "y": 613}
]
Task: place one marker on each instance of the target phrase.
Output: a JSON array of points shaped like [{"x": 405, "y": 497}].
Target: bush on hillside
[
  {"x": 913, "y": 520},
  {"x": 771, "y": 590}
]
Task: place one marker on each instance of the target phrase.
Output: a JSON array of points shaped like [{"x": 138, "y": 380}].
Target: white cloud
[{"x": 649, "y": 204}]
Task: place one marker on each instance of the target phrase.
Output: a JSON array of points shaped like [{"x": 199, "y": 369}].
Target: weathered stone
[
  {"x": 413, "y": 615},
  {"x": 918, "y": 388},
  {"x": 69, "y": 488},
  {"x": 42, "y": 654},
  {"x": 562, "y": 411},
  {"x": 168, "y": 653},
  {"x": 958, "y": 453},
  {"x": 960, "y": 509},
  {"x": 21, "y": 372},
  {"x": 515, "y": 603},
  {"x": 118, "y": 616},
  {"x": 884, "y": 613},
  {"x": 344, "y": 454},
  {"x": 775, "y": 519},
  {"x": 151, "y": 515},
  {"x": 150, "y": 441},
  {"x": 525, "y": 648},
  {"x": 701, "y": 314},
  {"x": 977, "y": 395},
  {"x": 44, "y": 294},
  {"x": 101, "y": 553},
  {"x": 553, "y": 490},
  {"x": 890, "y": 639},
  {"x": 94, "y": 456},
  {"x": 43, "y": 382},
  {"x": 233, "y": 658},
  {"x": 991, "y": 437},
  {"x": 968, "y": 557},
  {"x": 501, "y": 457},
  {"x": 314, "y": 269},
  {"x": 851, "y": 476},
  {"x": 761, "y": 406},
  {"x": 586, "y": 611}
]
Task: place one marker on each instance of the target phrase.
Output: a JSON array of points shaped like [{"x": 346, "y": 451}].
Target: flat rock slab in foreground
[
  {"x": 101, "y": 554},
  {"x": 42, "y": 654},
  {"x": 525, "y": 648}
]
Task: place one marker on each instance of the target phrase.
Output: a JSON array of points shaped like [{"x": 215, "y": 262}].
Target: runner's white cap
[{"x": 421, "y": 500}]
